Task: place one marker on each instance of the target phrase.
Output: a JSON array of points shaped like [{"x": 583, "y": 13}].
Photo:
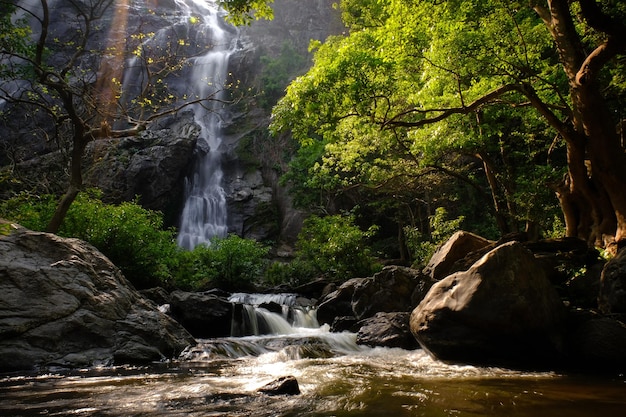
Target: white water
[
  {"x": 204, "y": 215},
  {"x": 255, "y": 318}
]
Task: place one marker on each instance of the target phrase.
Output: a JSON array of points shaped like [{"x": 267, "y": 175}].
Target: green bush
[
  {"x": 133, "y": 239},
  {"x": 28, "y": 210},
  {"x": 231, "y": 263},
  {"x": 129, "y": 235},
  {"x": 294, "y": 273},
  {"x": 336, "y": 247}
]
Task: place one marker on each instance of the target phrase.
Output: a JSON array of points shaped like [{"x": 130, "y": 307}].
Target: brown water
[{"x": 337, "y": 378}]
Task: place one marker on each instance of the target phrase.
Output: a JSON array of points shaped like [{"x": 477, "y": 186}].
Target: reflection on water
[{"x": 364, "y": 382}]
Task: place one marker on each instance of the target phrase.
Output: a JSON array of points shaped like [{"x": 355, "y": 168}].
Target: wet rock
[
  {"x": 456, "y": 248},
  {"x": 612, "y": 298},
  {"x": 338, "y": 302},
  {"x": 597, "y": 343},
  {"x": 395, "y": 288},
  {"x": 64, "y": 303},
  {"x": 391, "y": 289},
  {"x": 387, "y": 330},
  {"x": 286, "y": 385},
  {"x": 204, "y": 315},
  {"x": 345, "y": 323},
  {"x": 272, "y": 307},
  {"x": 502, "y": 311}
]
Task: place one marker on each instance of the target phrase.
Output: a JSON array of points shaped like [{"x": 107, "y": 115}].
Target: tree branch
[
  {"x": 445, "y": 113},
  {"x": 614, "y": 44}
]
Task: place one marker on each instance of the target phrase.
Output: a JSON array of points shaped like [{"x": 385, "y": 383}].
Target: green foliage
[
  {"x": 278, "y": 71},
  {"x": 336, "y": 247},
  {"x": 243, "y": 12},
  {"x": 300, "y": 175},
  {"x": 129, "y": 235},
  {"x": 230, "y": 263},
  {"x": 133, "y": 239},
  {"x": 293, "y": 273},
  {"x": 386, "y": 104},
  {"x": 14, "y": 34},
  {"x": 423, "y": 246}
]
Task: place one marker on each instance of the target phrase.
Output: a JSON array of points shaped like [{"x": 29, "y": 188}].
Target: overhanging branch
[{"x": 445, "y": 113}]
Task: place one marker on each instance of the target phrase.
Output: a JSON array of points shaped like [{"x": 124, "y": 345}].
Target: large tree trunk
[{"x": 592, "y": 195}]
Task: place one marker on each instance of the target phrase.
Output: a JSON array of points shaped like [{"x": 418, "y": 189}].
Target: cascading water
[
  {"x": 274, "y": 324},
  {"x": 204, "y": 215},
  {"x": 287, "y": 317}
]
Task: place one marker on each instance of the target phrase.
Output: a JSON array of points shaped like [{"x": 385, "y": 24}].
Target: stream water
[{"x": 220, "y": 377}]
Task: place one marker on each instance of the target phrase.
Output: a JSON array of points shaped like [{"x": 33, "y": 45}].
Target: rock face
[
  {"x": 612, "y": 298},
  {"x": 502, "y": 311},
  {"x": 152, "y": 165},
  {"x": 394, "y": 289},
  {"x": 63, "y": 303}
]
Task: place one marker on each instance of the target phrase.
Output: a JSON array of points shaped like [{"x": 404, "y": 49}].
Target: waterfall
[
  {"x": 204, "y": 215},
  {"x": 275, "y": 314}
]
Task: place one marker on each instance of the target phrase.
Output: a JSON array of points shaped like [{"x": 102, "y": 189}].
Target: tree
[
  {"x": 76, "y": 92},
  {"x": 425, "y": 73}
]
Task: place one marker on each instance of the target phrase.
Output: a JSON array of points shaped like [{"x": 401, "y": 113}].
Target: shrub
[
  {"x": 336, "y": 247},
  {"x": 294, "y": 273},
  {"x": 129, "y": 235},
  {"x": 233, "y": 263}
]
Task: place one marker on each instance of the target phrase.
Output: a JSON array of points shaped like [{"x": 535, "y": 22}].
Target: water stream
[
  {"x": 337, "y": 377},
  {"x": 204, "y": 215}
]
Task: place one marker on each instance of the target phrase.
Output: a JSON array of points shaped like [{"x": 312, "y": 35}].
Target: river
[{"x": 220, "y": 377}]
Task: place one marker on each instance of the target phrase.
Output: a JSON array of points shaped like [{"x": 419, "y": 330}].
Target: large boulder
[
  {"x": 337, "y": 303},
  {"x": 501, "y": 311},
  {"x": 612, "y": 297},
  {"x": 63, "y": 303},
  {"x": 456, "y": 248},
  {"x": 387, "y": 330}
]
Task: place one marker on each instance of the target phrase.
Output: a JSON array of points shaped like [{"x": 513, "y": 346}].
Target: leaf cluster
[
  {"x": 230, "y": 263},
  {"x": 129, "y": 235},
  {"x": 336, "y": 247}
]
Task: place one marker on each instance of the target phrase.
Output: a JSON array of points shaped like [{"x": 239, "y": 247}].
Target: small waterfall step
[
  {"x": 289, "y": 332},
  {"x": 259, "y": 314}
]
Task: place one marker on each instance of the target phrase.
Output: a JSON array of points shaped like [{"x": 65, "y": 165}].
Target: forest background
[{"x": 425, "y": 117}]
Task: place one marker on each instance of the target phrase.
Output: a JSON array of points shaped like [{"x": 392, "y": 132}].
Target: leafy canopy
[{"x": 417, "y": 81}]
